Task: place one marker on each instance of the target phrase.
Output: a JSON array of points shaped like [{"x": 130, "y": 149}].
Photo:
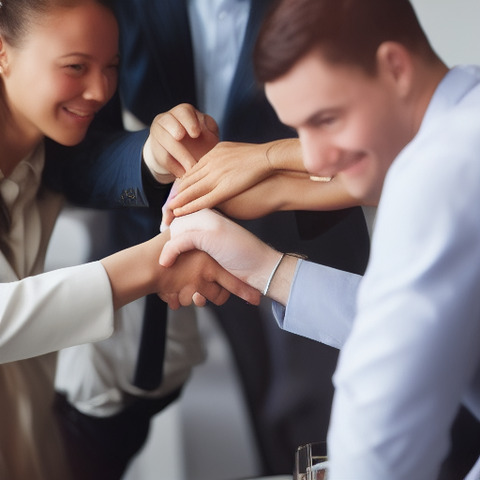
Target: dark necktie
[{"x": 149, "y": 369}]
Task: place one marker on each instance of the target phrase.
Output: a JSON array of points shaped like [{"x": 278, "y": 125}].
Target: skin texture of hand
[
  {"x": 135, "y": 272},
  {"x": 225, "y": 171},
  {"x": 178, "y": 139},
  {"x": 232, "y": 168},
  {"x": 236, "y": 249}
]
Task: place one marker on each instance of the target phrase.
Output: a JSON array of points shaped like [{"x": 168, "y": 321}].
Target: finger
[
  {"x": 211, "y": 125},
  {"x": 213, "y": 292},
  {"x": 170, "y": 153},
  {"x": 174, "y": 247},
  {"x": 239, "y": 288},
  {"x": 199, "y": 300},
  {"x": 190, "y": 194},
  {"x": 194, "y": 175},
  {"x": 206, "y": 201},
  {"x": 167, "y": 218},
  {"x": 172, "y": 124},
  {"x": 185, "y": 296},
  {"x": 190, "y": 118},
  {"x": 170, "y": 299}
]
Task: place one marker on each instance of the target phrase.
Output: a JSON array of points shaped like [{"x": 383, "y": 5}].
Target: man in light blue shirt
[{"x": 376, "y": 108}]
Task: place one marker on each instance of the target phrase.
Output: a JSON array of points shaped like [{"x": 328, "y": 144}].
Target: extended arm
[
  {"x": 135, "y": 272},
  {"x": 75, "y": 305},
  {"x": 287, "y": 191},
  {"x": 320, "y": 301},
  {"x": 245, "y": 180}
]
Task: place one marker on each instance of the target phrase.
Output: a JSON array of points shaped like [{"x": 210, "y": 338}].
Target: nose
[
  {"x": 320, "y": 157},
  {"x": 97, "y": 88}
]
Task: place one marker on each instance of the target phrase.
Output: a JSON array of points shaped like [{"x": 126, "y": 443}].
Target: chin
[
  {"x": 360, "y": 192},
  {"x": 69, "y": 140}
]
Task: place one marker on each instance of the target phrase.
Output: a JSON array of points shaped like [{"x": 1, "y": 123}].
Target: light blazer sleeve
[
  {"x": 54, "y": 310},
  {"x": 321, "y": 304}
]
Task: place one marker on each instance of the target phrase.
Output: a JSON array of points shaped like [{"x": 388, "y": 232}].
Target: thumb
[{"x": 183, "y": 242}]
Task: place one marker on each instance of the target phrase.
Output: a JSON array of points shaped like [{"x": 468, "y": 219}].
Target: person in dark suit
[{"x": 288, "y": 401}]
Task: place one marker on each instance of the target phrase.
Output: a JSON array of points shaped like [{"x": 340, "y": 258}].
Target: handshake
[{"x": 234, "y": 260}]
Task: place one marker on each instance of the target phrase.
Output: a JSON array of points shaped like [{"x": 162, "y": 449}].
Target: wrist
[
  {"x": 284, "y": 154},
  {"x": 272, "y": 274},
  {"x": 134, "y": 272},
  {"x": 159, "y": 173},
  {"x": 282, "y": 279}
]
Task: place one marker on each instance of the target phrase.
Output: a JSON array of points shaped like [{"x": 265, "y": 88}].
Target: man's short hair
[{"x": 346, "y": 31}]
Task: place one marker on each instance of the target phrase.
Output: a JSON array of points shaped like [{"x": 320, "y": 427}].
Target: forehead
[
  {"x": 314, "y": 84},
  {"x": 86, "y": 26}
]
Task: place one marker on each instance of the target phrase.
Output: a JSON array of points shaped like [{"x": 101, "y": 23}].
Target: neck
[
  {"x": 429, "y": 79},
  {"x": 14, "y": 146}
]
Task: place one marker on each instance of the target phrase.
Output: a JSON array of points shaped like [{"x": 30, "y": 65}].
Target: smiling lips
[{"x": 80, "y": 113}]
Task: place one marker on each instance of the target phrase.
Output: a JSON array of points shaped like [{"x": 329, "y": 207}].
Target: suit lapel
[
  {"x": 169, "y": 45},
  {"x": 244, "y": 82}
]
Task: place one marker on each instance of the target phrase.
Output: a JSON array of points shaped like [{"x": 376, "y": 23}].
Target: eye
[
  {"x": 323, "y": 121},
  {"x": 114, "y": 67},
  {"x": 75, "y": 68}
]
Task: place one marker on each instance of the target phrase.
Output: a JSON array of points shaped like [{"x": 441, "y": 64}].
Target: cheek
[{"x": 62, "y": 87}]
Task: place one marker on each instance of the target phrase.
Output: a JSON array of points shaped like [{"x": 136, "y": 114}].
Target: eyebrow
[{"x": 84, "y": 55}]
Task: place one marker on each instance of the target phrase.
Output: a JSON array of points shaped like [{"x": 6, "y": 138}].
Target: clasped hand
[{"x": 236, "y": 249}]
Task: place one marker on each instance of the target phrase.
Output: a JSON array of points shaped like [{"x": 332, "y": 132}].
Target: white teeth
[{"x": 79, "y": 114}]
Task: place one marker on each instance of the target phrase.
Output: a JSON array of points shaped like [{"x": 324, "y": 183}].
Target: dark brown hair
[{"x": 346, "y": 31}]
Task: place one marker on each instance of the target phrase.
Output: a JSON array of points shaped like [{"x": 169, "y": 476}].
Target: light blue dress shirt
[
  {"x": 413, "y": 353},
  {"x": 218, "y": 29}
]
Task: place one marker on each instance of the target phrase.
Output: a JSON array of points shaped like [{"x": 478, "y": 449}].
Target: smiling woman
[
  {"x": 58, "y": 64},
  {"x": 58, "y": 67}
]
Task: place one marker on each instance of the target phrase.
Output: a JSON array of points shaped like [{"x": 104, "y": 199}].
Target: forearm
[
  {"x": 285, "y": 154},
  {"x": 133, "y": 272},
  {"x": 288, "y": 191},
  {"x": 54, "y": 310}
]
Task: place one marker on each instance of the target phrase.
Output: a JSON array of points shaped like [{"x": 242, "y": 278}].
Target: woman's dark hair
[{"x": 346, "y": 31}]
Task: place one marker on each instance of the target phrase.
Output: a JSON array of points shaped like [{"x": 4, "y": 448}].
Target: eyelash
[
  {"x": 326, "y": 121},
  {"x": 76, "y": 67}
]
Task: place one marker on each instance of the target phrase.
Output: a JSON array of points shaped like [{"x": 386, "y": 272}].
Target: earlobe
[{"x": 394, "y": 60}]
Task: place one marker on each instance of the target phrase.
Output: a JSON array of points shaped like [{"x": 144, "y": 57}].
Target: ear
[
  {"x": 3, "y": 56},
  {"x": 396, "y": 63}
]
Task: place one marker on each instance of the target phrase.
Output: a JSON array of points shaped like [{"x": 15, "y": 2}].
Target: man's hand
[
  {"x": 178, "y": 139},
  {"x": 234, "y": 248}
]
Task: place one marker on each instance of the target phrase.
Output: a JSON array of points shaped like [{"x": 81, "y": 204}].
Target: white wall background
[{"x": 453, "y": 28}]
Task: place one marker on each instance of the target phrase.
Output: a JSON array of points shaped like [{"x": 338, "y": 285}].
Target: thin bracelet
[{"x": 267, "y": 286}]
